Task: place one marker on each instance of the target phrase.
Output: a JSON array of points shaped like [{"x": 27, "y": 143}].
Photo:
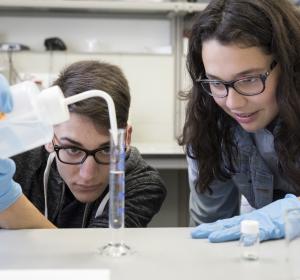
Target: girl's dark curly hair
[{"x": 273, "y": 26}]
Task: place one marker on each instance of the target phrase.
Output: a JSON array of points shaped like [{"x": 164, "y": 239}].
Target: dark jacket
[{"x": 144, "y": 192}]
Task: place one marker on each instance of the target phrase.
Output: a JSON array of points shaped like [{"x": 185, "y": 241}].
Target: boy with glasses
[
  {"x": 242, "y": 129},
  {"x": 67, "y": 180}
]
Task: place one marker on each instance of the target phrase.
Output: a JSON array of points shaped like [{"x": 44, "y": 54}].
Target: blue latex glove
[
  {"x": 270, "y": 218},
  {"x": 9, "y": 189},
  {"x": 5, "y": 96}
]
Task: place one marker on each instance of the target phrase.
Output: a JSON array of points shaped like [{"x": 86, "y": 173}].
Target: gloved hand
[
  {"x": 270, "y": 218},
  {"x": 9, "y": 189}
]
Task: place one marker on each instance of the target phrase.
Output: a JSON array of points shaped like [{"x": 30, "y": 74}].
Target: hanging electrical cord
[
  {"x": 13, "y": 75},
  {"x": 10, "y": 48}
]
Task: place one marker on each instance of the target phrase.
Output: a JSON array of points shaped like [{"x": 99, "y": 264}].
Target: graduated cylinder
[{"x": 117, "y": 180}]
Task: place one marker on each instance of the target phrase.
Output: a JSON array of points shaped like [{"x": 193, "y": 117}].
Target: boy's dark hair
[
  {"x": 273, "y": 26},
  {"x": 88, "y": 75}
]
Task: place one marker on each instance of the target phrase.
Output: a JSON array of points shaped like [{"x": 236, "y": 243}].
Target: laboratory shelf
[{"x": 102, "y": 6}]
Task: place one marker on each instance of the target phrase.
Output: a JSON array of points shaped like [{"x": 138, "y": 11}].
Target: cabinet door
[{"x": 151, "y": 81}]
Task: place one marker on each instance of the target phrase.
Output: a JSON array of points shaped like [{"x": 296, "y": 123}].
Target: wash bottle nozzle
[{"x": 30, "y": 124}]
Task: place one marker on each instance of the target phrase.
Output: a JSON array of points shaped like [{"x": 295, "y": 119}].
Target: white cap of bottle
[
  {"x": 51, "y": 107},
  {"x": 249, "y": 227}
]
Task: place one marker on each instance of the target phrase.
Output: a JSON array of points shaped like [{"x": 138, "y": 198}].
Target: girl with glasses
[{"x": 242, "y": 129}]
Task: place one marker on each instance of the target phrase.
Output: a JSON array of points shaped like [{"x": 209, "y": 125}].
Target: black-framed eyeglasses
[
  {"x": 75, "y": 155},
  {"x": 248, "y": 86}
]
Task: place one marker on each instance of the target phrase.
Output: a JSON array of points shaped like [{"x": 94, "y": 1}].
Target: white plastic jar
[{"x": 249, "y": 240}]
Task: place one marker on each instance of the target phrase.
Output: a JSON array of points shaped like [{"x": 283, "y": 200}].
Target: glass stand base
[{"x": 115, "y": 250}]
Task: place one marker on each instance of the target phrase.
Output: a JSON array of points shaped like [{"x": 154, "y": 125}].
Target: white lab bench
[
  {"x": 163, "y": 155},
  {"x": 160, "y": 253}
]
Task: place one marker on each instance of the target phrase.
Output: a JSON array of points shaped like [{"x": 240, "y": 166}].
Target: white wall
[{"x": 88, "y": 33}]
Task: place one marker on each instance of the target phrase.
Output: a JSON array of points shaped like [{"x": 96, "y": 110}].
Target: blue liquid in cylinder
[{"x": 117, "y": 199}]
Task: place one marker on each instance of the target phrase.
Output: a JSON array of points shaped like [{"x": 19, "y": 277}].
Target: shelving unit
[
  {"x": 144, "y": 38},
  {"x": 166, "y": 16},
  {"x": 102, "y": 6}
]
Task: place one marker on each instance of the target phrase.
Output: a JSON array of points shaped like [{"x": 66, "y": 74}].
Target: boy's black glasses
[
  {"x": 248, "y": 86},
  {"x": 75, "y": 155}
]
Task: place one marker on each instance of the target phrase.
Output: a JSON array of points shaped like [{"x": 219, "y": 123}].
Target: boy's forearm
[{"x": 23, "y": 215}]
